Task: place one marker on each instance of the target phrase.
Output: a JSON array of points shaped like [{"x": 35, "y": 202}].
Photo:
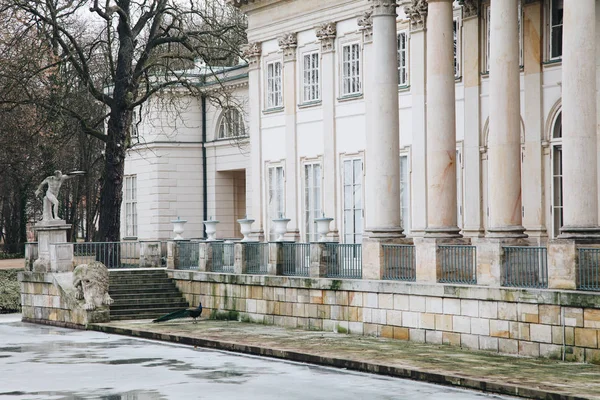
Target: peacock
[{"x": 183, "y": 313}]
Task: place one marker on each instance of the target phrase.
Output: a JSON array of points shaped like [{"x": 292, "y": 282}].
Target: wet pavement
[{"x": 42, "y": 362}]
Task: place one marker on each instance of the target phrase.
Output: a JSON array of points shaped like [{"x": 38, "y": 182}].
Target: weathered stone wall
[
  {"x": 535, "y": 323},
  {"x": 50, "y": 298}
]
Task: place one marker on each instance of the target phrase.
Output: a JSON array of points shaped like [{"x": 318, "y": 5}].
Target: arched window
[
  {"x": 232, "y": 124},
  {"x": 557, "y": 175}
]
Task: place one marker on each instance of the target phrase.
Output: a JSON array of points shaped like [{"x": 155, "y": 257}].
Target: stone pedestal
[
  {"x": 490, "y": 258},
  {"x": 318, "y": 260},
  {"x": 372, "y": 255},
  {"x": 205, "y": 257},
  {"x": 150, "y": 255},
  {"x": 61, "y": 257},
  {"x": 428, "y": 258},
  {"x": 275, "y": 266},
  {"x": 563, "y": 262},
  {"x": 240, "y": 265},
  {"x": 50, "y": 232}
]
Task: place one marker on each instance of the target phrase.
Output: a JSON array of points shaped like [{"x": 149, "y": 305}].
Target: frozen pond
[{"x": 39, "y": 362}]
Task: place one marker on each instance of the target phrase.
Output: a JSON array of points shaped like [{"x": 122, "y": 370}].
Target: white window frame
[
  {"x": 403, "y": 70},
  {"x": 457, "y": 33},
  {"x": 405, "y": 192},
  {"x": 131, "y": 219},
  {"x": 549, "y": 29},
  {"x": 487, "y": 34},
  {"x": 312, "y": 199},
  {"x": 310, "y": 79},
  {"x": 231, "y": 124},
  {"x": 357, "y": 235},
  {"x": 460, "y": 217},
  {"x": 279, "y": 193},
  {"x": 273, "y": 85},
  {"x": 348, "y": 81},
  {"x": 556, "y": 144}
]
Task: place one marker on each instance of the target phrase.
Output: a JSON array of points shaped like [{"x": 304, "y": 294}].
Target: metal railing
[
  {"x": 458, "y": 264},
  {"x": 525, "y": 266},
  {"x": 588, "y": 272},
  {"x": 111, "y": 254},
  {"x": 344, "y": 260},
  {"x": 223, "y": 257},
  {"x": 399, "y": 262},
  {"x": 188, "y": 255},
  {"x": 296, "y": 259},
  {"x": 257, "y": 258}
]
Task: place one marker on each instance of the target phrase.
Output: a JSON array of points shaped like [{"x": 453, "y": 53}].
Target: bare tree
[{"x": 121, "y": 53}]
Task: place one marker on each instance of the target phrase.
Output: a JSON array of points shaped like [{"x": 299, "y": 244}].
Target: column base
[
  {"x": 579, "y": 232},
  {"x": 508, "y": 232},
  {"x": 490, "y": 257},
  {"x": 372, "y": 254},
  {"x": 384, "y": 233},
  {"x": 442, "y": 233}
]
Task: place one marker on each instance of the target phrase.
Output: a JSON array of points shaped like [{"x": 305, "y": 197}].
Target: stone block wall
[
  {"x": 46, "y": 298},
  {"x": 534, "y": 323}
]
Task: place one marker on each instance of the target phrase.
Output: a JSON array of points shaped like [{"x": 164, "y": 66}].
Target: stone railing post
[
  {"x": 428, "y": 256},
  {"x": 563, "y": 263},
  {"x": 275, "y": 266},
  {"x": 241, "y": 263},
  {"x": 31, "y": 254},
  {"x": 205, "y": 257},
  {"x": 150, "y": 254},
  {"x": 172, "y": 256},
  {"x": 61, "y": 257},
  {"x": 319, "y": 255}
]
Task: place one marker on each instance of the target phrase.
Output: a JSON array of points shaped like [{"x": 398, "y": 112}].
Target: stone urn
[
  {"x": 245, "y": 228},
  {"x": 323, "y": 228},
  {"x": 178, "y": 228},
  {"x": 211, "y": 229},
  {"x": 280, "y": 228}
]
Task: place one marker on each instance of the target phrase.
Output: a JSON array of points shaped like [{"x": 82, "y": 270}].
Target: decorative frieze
[
  {"x": 417, "y": 13},
  {"x": 288, "y": 44},
  {"x": 252, "y": 53},
  {"x": 470, "y": 8},
  {"x": 326, "y": 34},
  {"x": 365, "y": 24},
  {"x": 383, "y": 7}
]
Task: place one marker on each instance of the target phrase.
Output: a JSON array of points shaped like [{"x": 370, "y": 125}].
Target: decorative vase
[
  {"x": 280, "y": 227},
  {"x": 178, "y": 228},
  {"x": 211, "y": 229},
  {"x": 245, "y": 228},
  {"x": 323, "y": 228}
]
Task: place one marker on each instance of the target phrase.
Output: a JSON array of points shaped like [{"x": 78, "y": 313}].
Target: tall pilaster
[
  {"x": 441, "y": 122},
  {"x": 471, "y": 69},
  {"x": 326, "y": 34},
  {"x": 383, "y": 137},
  {"x": 252, "y": 53},
  {"x": 288, "y": 44},
  {"x": 504, "y": 143},
  {"x": 579, "y": 119},
  {"x": 417, "y": 12}
]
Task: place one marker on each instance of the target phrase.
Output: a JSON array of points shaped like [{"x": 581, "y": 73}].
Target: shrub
[{"x": 10, "y": 291}]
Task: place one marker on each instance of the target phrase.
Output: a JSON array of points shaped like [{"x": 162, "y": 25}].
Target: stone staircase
[{"x": 143, "y": 294}]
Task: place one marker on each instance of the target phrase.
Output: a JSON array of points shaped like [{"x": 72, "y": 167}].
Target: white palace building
[{"x": 428, "y": 122}]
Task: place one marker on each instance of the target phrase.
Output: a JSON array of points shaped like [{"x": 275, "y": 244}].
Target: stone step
[
  {"x": 142, "y": 287},
  {"x": 138, "y": 281},
  {"x": 171, "y": 294},
  {"x": 153, "y": 305},
  {"x": 142, "y": 313},
  {"x": 151, "y": 271}
]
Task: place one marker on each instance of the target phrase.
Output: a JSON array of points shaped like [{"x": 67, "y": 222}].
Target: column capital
[
  {"x": 417, "y": 13},
  {"x": 365, "y": 24},
  {"x": 470, "y": 8},
  {"x": 252, "y": 52},
  {"x": 288, "y": 44},
  {"x": 326, "y": 34},
  {"x": 383, "y": 7}
]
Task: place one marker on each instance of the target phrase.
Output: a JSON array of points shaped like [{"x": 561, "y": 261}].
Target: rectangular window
[
  {"x": 131, "y": 206},
  {"x": 312, "y": 200},
  {"x": 488, "y": 23},
  {"x": 459, "y": 188},
  {"x": 556, "y": 29},
  {"x": 457, "y": 46},
  {"x": 351, "y": 69},
  {"x": 276, "y": 200},
  {"x": 310, "y": 75},
  {"x": 403, "y": 58},
  {"x": 274, "y": 85},
  {"x": 405, "y": 193},
  {"x": 353, "y": 204}
]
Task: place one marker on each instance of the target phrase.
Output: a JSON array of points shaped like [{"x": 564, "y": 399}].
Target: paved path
[
  {"x": 17, "y": 263},
  {"x": 535, "y": 378}
]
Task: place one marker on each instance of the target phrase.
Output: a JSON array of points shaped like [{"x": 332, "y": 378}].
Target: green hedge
[{"x": 10, "y": 292}]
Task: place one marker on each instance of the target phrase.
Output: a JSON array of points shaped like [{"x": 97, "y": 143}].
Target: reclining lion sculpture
[{"x": 91, "y": 283}]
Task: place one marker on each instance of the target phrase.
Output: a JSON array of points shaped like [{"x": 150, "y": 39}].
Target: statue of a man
[{"x": 54, "y": 183}]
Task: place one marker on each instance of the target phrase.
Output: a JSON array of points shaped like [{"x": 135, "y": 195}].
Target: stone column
[
  {"x": 579, "y": 119},
  {"x": 417, "y": 12},
  {"x": 288, "y": 44},
  {"x": 255, "y": 210},
  {"x": 441, "y": 122},
  {"x": 383, "y": 223},
  {"x": 504, "y": 143},
  {"x": 471, "y": 73},
  {"x": 326, "y": 34}
]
